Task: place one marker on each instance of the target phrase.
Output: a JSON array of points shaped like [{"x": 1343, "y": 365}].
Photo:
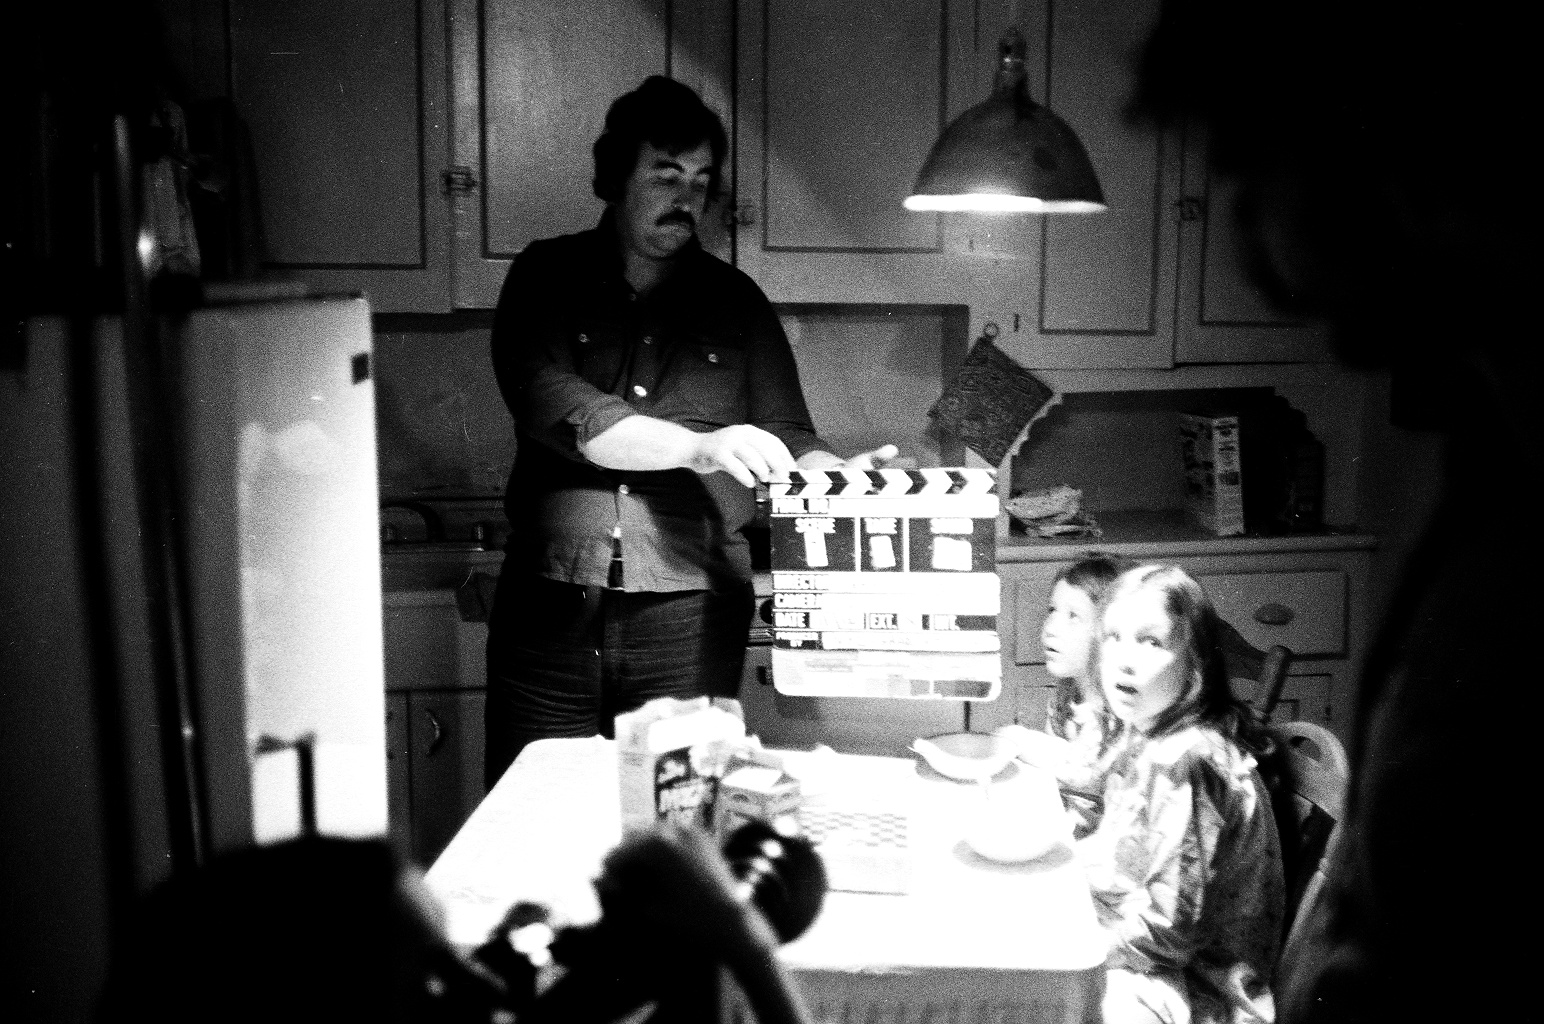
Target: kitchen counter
[
  {"x": 434, "y": 566},
  {"x": 1166, "y": 534},
  {"x": 1136, "y": 533}
]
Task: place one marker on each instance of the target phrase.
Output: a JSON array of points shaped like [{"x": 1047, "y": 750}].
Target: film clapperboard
[{"x": 885, "y": 585}]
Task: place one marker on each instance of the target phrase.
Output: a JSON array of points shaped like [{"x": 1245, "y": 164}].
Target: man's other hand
[
  {"x": 879, "y": 458},
  {"x": 886, "y": 455}
]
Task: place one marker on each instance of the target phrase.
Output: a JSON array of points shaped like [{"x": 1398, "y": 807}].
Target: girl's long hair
[{"x": 1199, "y": 641}]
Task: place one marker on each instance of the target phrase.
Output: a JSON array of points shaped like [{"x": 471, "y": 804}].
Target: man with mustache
[{"x": 652, "y": 388}]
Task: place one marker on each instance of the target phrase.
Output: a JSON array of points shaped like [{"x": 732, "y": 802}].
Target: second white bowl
[{"x": 967, "y": 756}]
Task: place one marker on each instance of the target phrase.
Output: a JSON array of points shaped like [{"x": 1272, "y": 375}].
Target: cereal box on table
[{"x": 885, "y": 584}]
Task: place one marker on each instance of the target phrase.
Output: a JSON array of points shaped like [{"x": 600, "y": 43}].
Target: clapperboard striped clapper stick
[{"x": 885, "y": 584}]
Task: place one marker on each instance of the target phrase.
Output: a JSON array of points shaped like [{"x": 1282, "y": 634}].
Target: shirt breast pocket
[
  {"x": 711, "y": 381},
  {"x": 599, "y": 355}
]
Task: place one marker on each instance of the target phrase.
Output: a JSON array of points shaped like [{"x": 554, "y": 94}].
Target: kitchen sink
[{"x": 434, "y": 566}]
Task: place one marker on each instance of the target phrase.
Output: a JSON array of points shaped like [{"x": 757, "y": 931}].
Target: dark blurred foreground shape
[
  {"x": 1379, "y": 147},
  {"x": 321, "y": 929},
  {"x": 315, "y": 929}
]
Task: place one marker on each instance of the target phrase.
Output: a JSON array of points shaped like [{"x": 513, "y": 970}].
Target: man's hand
[
  {"x": 879, "y": 458},
  {"x": 747, "y": 453}
]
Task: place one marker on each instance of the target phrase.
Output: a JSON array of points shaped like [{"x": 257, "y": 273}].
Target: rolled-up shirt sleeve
[
  {"x": 551, "y": 402},
  {"x": 776, "y": 395}
]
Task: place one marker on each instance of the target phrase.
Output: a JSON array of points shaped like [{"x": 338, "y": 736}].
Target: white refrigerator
[
  {"x": 275, "y": 614},
  {"x": 284, "y": 559}
]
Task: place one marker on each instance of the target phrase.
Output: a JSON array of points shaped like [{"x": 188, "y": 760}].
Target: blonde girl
[{"x": 1185, "y": 865}]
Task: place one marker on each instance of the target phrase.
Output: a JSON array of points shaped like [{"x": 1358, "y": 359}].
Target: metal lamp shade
[{"x": 1008, "y": 154}]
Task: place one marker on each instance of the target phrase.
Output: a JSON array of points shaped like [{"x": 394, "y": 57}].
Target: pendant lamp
[{"x": 1008, "y": 154}]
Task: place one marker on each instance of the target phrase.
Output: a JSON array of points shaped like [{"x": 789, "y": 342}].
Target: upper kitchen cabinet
[
  {"x": 345, "y": 105},
  {"x": 1224, "y": 317},
  {"x": 531, "y": 82},
  {"x": 838, "y": 105}
]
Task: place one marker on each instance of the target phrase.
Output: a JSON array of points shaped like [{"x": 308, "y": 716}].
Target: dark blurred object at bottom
[
  {"x": 322, "y": 929},
  {"x": 617, "y": 964},
  {"x": 316, "y": 929}
]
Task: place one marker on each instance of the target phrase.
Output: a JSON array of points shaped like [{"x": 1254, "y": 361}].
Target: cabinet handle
[
  {"x": 1191, "y": 208},
  {"x": 763, "y": 676},
  {"x": 1273, "y": 614},
  {"x": 459, "y": 179},
  {"x": 439, "y": 733}
]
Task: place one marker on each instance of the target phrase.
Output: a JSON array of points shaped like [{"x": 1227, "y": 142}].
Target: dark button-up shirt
[{"x": 576, "y": 351}]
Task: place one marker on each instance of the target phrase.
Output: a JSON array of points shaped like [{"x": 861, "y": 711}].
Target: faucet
[{"x": 434, "y": 526}]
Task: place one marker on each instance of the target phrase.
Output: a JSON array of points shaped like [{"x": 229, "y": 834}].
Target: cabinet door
[
  {"x": 1224, "y": 317},
  {"x": 531, "y": 81},
  {"x": 446, "y": 773},
  {"x": 345, "y": 102},
  {"x": 838, "y": 107},
  {"x": 1106, "y": 286},
  {"x": 427, "y": 644},
  {"x": 399, "y": 800}
]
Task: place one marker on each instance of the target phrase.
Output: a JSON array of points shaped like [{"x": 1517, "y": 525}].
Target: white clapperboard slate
[{"x": 885, "y": 584}]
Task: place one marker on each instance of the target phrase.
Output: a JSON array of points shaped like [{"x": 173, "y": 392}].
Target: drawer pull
[{"x": 1273, "y": 614}]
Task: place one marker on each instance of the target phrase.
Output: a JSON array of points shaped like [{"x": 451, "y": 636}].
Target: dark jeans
[{"x": 564, "y": 660}]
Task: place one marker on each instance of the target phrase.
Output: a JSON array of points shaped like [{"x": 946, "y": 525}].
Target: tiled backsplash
[
  {"x": 441, "y": 424},
  {"x": 869, "y": 375}
]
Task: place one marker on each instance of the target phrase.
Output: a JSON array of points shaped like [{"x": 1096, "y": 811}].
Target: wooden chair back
[
  {"x": 1309, "y": 804},
  {"x": 1262, "y": 673}
]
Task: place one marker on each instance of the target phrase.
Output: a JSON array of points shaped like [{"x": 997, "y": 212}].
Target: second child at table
[
  {"x": 1078, "y": 740},
  {"x": 1185, "y": 866}
]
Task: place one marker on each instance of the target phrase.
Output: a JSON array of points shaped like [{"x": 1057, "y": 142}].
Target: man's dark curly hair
[{"x": 663, "y": 113}]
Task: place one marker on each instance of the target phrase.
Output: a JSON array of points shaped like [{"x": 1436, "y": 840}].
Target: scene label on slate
[{"x": 884, "y": 584}]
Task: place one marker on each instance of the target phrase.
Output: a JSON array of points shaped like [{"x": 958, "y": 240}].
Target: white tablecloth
[{"x": 971, "y": 941}]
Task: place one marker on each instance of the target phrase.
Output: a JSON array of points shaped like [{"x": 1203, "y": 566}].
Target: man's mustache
[{"x": 678, "y": 217}]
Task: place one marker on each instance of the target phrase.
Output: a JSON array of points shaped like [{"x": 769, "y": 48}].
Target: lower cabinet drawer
[
  {"x": 428, "y": 645},
  {"x": 1303, "y": 611},
  {"x": 1026, "y": 595}
]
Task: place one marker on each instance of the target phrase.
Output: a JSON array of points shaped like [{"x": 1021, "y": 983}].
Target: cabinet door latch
[
  {"x": 459, "y": 179},
  {"x": 1191, "y": 208},
  {"x": 741, "y": 215}
]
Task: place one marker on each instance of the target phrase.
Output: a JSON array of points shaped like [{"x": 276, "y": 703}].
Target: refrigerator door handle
[{"x": 438, "y": 738}]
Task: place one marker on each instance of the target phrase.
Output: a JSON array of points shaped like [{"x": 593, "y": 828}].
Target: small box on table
[{"x": 751, "y": 791}]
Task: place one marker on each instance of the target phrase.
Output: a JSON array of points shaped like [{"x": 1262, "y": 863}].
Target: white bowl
[
  {"x": 1011, "y": 840},
  {"x": 967, "y": 756}
]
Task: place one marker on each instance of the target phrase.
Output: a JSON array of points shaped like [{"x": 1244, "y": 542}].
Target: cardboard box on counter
[{"x": 1214, "y": 485}]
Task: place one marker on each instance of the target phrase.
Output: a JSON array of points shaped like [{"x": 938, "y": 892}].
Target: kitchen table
[{"x": 969, "y": 941}]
